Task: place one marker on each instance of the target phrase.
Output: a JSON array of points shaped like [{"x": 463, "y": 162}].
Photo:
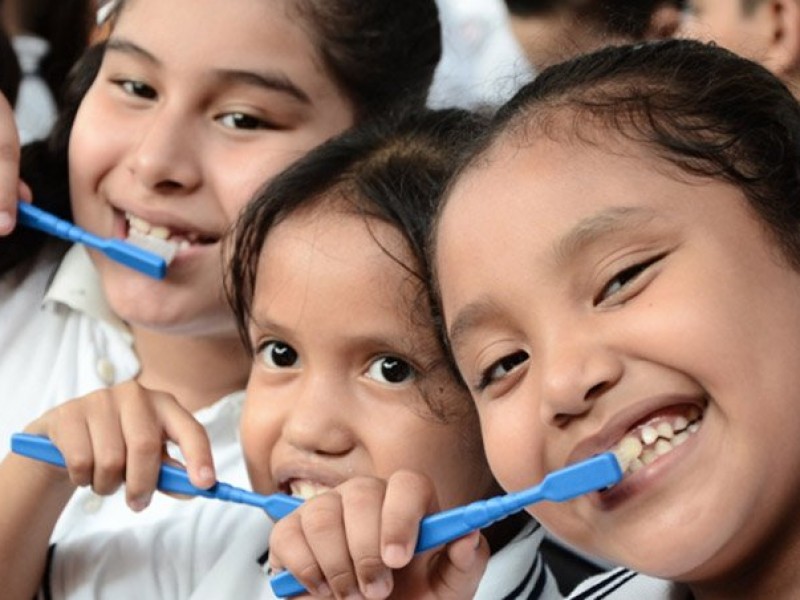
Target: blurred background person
[
  {"x": 551, "y": 31},
  {"x": 482, "y": 63},
  {"x": 48, "y": 36},
  {"x": 766, "y": 31}
]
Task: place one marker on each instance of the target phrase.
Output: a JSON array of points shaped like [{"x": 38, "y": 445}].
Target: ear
[
  {"x": 783, "y": 54},
  {"x": 664, "y": 22}
]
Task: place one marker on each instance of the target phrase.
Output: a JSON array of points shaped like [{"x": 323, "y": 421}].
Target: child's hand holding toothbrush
[
  {"x": 107, "y": 438},
  {"x": 118, "y": 435},
  {"x": 359, "y": 538}
]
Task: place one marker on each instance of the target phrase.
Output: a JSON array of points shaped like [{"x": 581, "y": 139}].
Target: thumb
[{"x": 456, "y": 572}]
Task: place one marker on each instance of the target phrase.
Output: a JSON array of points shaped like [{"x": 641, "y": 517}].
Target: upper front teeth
[
  {"x": 306, "y": 489},
  {"x": 643, "y": 446}
]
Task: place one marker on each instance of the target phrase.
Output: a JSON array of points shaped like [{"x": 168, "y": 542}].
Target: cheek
[
  {"x": 510, "y": 441},
  {"x": 258, "y": 436}
]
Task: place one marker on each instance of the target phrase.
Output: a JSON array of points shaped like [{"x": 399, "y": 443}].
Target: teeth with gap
[{"x": 642, "y": 447}]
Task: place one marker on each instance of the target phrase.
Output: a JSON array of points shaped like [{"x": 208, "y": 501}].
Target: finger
[
  {"x": 409, "y": 497},
  {"x": 144, "y": 440},
  {"x": 458, "y": 570},
  {"x": 362, "y": 507},
  {"x": 288, "y": 549},
  {"x": 322, "y": 521},
  {"x": 9, "y": 167},
  {"x": 108, "y": 445},
  {"x": 24, "y": 192},
  {"x": 181, "y": 427}
]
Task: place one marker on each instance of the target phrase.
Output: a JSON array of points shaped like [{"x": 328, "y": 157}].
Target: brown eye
[
  {"x": 390, "y": 369},
  {"x": 278, "y": 355},
  {"x": 502, "y": 368}
]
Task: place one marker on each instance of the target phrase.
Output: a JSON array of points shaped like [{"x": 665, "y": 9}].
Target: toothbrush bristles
[{"x": 164, "y": 248}]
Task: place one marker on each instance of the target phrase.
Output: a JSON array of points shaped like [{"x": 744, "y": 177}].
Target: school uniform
[
  {"x": 220, "y": 553},
  {"x": 60, "y": 340},
  {"x": 623, "y": 584},
  {"x": 58, "y": 337}
]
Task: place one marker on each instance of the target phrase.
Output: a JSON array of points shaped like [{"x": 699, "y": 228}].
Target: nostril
[
  {"x": 168, "y": 186},
  {"x": 597, "y": 390}
]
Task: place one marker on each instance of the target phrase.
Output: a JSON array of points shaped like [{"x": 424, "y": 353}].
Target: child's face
[
  {"x": 345, "y": 352},
  {"x": 196, "y": 104},
  {"x": 593, "y": 294},
  {"x": 726, "y": 23}
]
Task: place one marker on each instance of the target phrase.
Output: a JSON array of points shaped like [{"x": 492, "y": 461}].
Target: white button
[
  {"x": 106, "y": 371},
  {"x": 92, "y": 504}
]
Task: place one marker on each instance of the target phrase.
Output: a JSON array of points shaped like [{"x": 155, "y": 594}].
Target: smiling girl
[
  {"x": 349, "y": 385},
  {"x": 646, "y": 299},
  {"x": 174, "y": 124}
]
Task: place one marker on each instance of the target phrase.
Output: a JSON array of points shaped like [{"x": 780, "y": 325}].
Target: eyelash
[
  {"x": 136, "y": 89},
  {"x": 626, "y": 276},
  {"x": 487, "y": 378}
]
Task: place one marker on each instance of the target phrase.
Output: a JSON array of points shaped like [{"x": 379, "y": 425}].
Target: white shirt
[
  {"x": 217, "y": 553},
  {"x": 60, "y": 340},
  {"x": 482, "y": 64},
  {"x": 622, "y": 584}
]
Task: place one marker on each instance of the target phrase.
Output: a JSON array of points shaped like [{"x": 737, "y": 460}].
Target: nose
[
  {"x": 575, "y": 372},
  {"x": 317, "y": 421},
  {"x": 165, "y": 157}
]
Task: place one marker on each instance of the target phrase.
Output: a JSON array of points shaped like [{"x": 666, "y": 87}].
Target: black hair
[
  {"x": 393, "y": 169},
  {"x": 43, "y": 165},
  {"x": 700, "y": 107},
  {"x": 629, "y": 19},
  {"x": 10, "y": 73}
]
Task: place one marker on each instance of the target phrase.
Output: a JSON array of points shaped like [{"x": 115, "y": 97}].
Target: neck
[
  {"x": 198, "y": 371},
  {"x": 772, "y": 573}
]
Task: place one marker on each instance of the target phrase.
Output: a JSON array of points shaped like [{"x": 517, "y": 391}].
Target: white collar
[{"x": 76, "y": 284}]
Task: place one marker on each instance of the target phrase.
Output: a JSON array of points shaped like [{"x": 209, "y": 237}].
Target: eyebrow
[
  {"x": 470, "y": 317},
  {"x": 268, "y": 80},
  {"x": 596, "y": 227},
  {"x": 586, "y": 232}
]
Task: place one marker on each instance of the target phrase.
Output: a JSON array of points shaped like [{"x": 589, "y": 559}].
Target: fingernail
[
  {"x": 207, "y": 474},
  {"x": 6, "y": 222},
  {"x": 140, "y": 503},
  {"x": 379, "y": 588},
  {"x": 324, "y": 590},
  {"x": 395, "y": 555}
]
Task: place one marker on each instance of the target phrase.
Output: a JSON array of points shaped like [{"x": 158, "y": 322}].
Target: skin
[
  {"x": 346, "y": 413},
  {"x": 726, "y": 23},
  {"x": 618, "y": 308},
  {"x": 180, "y": 130},
  {"x": 321, "y": 385},
  {"x": 768, "y": 34}
]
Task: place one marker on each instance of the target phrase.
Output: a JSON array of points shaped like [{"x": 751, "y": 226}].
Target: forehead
[
  {"x": 532, "y": 195},
  {"x": 231, "y": 34},
  {"x": 329, "y": 244}
]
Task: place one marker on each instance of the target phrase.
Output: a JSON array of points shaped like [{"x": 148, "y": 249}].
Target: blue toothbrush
[
  {"x": 142, "y": 260},
  {"x": 170, "y": 479},
  {"x": 587, "y": 476}
]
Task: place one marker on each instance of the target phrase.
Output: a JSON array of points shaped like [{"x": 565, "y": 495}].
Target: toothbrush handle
[
  {"x": 592, "y": 474},
  {"x": 38, "y": 447},
  {"x": 170, "y": 479},
  {"x": 176, "y": 480},
  {"x": 35, "y": 217}
]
